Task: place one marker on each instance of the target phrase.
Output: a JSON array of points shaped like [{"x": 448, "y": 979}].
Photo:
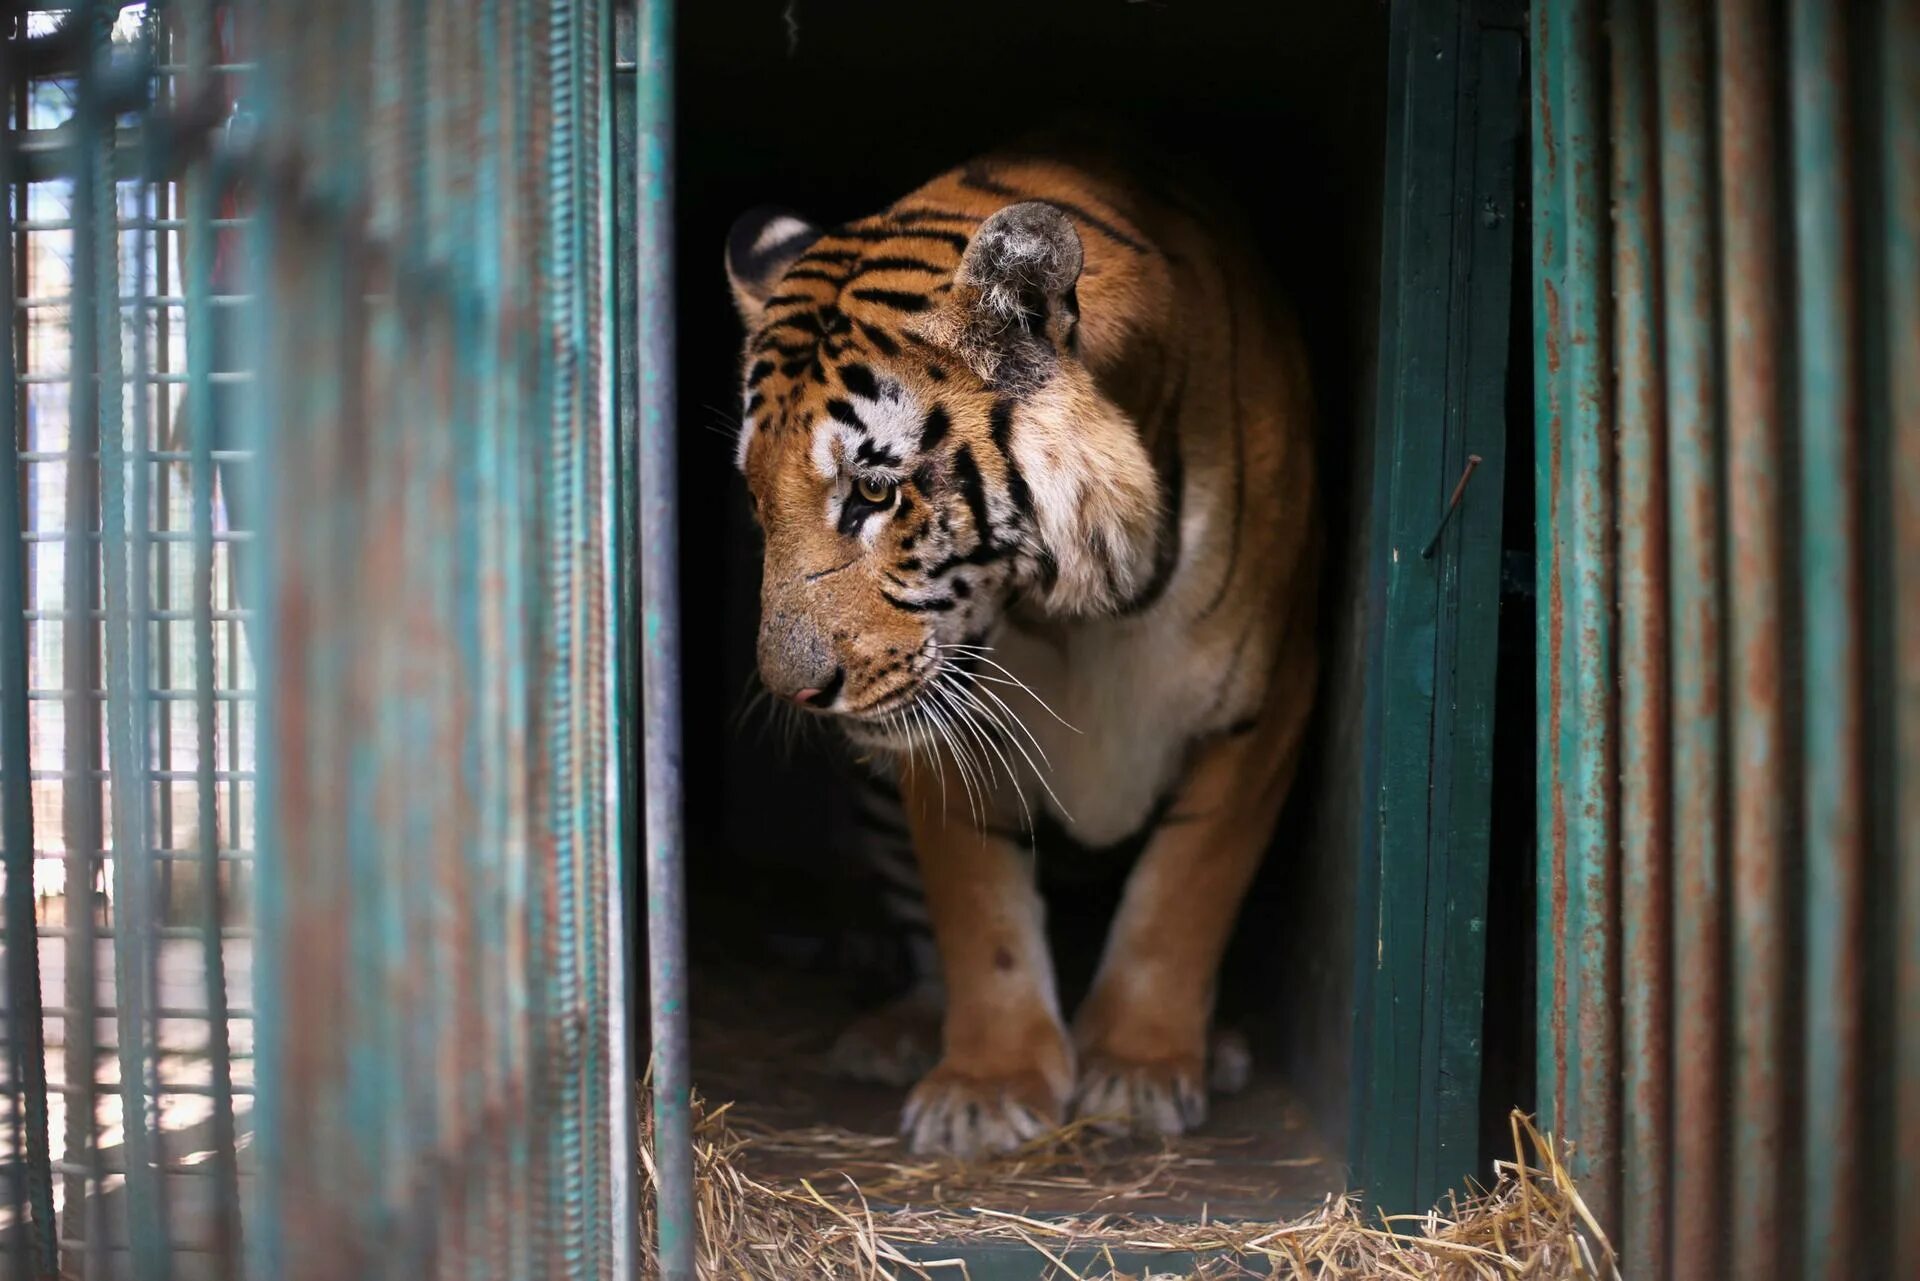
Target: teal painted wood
[
  {"x": 1385, "y": 1111},
  {"x": 1831, "y": 560},
  {"x": 1899, "y": 134},
  {"x": 30, "y": 1193},
  {"x": 1453, "y": 124},
  {"x": 1467, "y": 643},
  {"x": 1646, "y": 836}
]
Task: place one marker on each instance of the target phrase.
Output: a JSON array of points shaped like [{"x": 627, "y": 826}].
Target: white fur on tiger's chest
[{"x": 1137, "y": 697}]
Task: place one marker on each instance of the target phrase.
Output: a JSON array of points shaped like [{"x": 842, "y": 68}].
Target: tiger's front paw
[
  {"x": 1165, "y": 1095},
  {"x": 976, "y": 1103},
  {"x": 950, "y": 1113}
]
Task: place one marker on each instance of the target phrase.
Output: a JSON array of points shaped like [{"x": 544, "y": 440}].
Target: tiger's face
[{"x": 920, "y": 443}]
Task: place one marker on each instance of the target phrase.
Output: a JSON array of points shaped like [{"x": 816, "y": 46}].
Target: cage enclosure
[{"x": 1302, "y": 112}]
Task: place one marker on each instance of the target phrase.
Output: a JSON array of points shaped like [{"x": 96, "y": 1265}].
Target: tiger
[{"x": 1031, "y": 455}]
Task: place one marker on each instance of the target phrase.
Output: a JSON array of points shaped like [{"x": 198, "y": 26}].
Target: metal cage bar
[
  {"x": 659, "y": 574},
  {"x": 30, "y": 1182}
]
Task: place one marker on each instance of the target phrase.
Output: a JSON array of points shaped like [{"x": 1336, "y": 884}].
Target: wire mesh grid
[
  {"x": 142, "y": 893},
  {"x": 395, "y": 1037}
]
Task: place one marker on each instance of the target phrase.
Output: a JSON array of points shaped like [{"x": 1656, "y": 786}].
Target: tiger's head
[{"x": 925, "y": 449}]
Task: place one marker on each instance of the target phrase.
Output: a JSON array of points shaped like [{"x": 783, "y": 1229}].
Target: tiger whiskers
[
  {"x": 984, "y": 654},
  {"x": 1005, "y": 720},
  {"x": 776, "y": 716},
  {"x": 960, "y": 752},
  {"x": 991, "y": 751},
  {"x": 990, "y": 726}
]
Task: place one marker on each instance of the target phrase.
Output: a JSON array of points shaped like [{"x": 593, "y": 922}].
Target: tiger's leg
[
  {"x": 898, "y": 1042},
  {"x": 1142, "y": 1032},
  {"x": 1006, "y": 1069}
]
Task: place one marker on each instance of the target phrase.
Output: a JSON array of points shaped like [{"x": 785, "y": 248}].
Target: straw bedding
[{"x": 866, "y": 1207}]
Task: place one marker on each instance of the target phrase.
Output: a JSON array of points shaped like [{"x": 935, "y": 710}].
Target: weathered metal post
[{"x": 660, "y": 649}]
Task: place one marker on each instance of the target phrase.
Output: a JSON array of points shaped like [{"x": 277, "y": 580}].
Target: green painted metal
[
  {"x": 29, "y": 1178},
  {"x": 1899, "y": 131},
  {"x": 1751, "y": 309},
  {"x": 1574, "y": 464},
  {"x": 1588, "y": 746},
  {"x": 671, "y": 1068},
  {"x": 200, "y": 199},
  {"x": 1695, "y": 504},
  {"x": 123, "y": 555},
  {"x": 1764, "y": 532},
  {"x": 106, "y": 330},
  {"x": 424, "y": 359},
  {"x": 1832, "y": 712},
  {"x": 80, "y": 801},
  {"x": 1549, "y": 245},
  {"x": 1454, "y": 119},
  {"x": 1646, "y": 849}
]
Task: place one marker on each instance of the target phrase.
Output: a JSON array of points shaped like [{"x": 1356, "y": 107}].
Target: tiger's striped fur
[{"x": 1031, "y": 452}]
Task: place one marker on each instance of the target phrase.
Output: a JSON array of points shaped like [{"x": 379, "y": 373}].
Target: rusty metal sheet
[
  {"x": 1899, "y": 130},
  {"x": 1588, "y": 740},
  {"x": 1752, "y": 311},
  {"x": 1691, "y": 371},
  {"x": 1827, "y": 339},
  {"x": 1646, "y": 838},
  {"x": 441, "y": 976},
  {"x": 1550, "y": 359}
]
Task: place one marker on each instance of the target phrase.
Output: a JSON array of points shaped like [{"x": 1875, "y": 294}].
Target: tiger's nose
[
  {"x": 796, "y": 661},
  {"x": 819, "y": 696}
]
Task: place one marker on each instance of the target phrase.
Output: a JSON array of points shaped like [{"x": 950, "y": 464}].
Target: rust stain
[
  {"x": 1751, "y": 308},
  {"x": 1553, "y": 347}
]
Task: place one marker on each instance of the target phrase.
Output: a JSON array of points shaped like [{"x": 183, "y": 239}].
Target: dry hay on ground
[{"x": 1531, "y": 1223}]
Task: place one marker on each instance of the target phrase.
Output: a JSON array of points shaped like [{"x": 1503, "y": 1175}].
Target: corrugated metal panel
[
  {"x": 1899, "y": 124},
  {"x": 1645, "y": 747},
  {"x": 1574, "y": 502},
  {"x": 1766, "y": 801},
  {"x": 1752, "y": 305},
  {"x": 440, "y": 990},
  {"x": 424, "y": 365}
]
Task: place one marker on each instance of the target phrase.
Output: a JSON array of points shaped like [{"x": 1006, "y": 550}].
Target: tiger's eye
[{"x": 877, "y": 492}]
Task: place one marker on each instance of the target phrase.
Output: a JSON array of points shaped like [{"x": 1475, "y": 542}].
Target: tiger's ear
[
  {"x": 762, "y": 245},
  {"x": 1016, "y": 285}
]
